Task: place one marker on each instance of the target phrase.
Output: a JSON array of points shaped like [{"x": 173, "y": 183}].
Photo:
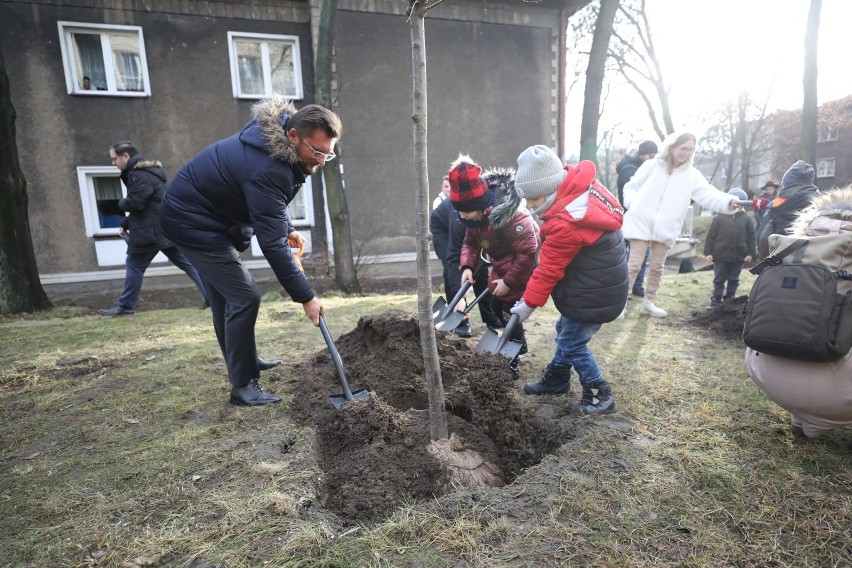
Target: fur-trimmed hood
[
  {"x": 506, "y": 199},
  {"x": 138, "y": 163},
  {"x": 268, "y": 128},
  {"x": 666, "y": 146},
  {"x": 829, "y": 213}
]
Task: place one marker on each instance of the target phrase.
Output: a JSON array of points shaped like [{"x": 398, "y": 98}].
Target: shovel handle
[
  {"x": 459, "y": 295},
  {"x": 476, "y": 300},
  {"x": 507, "y": 332},
  {"x": 335, "y": 356}
]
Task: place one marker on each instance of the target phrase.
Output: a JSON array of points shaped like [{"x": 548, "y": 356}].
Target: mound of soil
[
  {"x": 374, "y": 452},
  {"x": 726, "y": 319}
]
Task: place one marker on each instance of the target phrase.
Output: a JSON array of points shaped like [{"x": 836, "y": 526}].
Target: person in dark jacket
[
  {"x": 499, "y": 229},
  {"x": 145, "y": 181},
  {"x": 796, "y": 193},
  {"x": 625, "y": 169},
  {"x": 582, "y": 266},
  {"x": 447, "y": 238},
  {"x": 729, "y": 244},
  {"x": 767, "y": 192},
  {"x": 236, "y": 188}
]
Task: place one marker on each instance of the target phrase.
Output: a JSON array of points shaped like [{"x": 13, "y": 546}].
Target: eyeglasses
[
  {"x": 317, "y": 154},
  {"x": 686, "y": 149}
]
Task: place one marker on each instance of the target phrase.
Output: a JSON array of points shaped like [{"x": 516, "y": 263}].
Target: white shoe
[{"x": 652, "y": 310}]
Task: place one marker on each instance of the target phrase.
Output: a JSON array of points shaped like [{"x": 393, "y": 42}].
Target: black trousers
[{"x": 234, "y": 303}]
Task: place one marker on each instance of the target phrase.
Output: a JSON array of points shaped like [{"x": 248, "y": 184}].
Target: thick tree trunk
[
  {"x": 594, "y": 80},
  {"x": 319, "y": 234},
  {"x": 20, "y": 288},
  {"x": 428, "y": 343},
  {"x": 344, "y": 265},
  {"x": 809, "y": 83}
]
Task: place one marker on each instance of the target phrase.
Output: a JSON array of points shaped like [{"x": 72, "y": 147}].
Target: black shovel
[
  {"x": 455, "y": 317},
  {"x": 339, "y": 400},
  {"x": 492, "y": 342},
  {"x": 441, "y": 309}
]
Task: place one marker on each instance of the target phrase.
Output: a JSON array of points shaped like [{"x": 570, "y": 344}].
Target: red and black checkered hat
[{"x": 468, "y": 191}]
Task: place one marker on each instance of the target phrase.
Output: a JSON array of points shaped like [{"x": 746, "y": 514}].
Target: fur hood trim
[
  {"x": 835, "y": 204},
  {"x": 666, "y": 146},
  {"x": 271, "y": 115},
  {"x": 502, "y": 182},
  {"x": 144, "y": 164}
]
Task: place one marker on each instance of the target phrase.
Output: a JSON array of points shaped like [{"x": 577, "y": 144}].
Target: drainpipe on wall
[{"x": 560, "y": 78}]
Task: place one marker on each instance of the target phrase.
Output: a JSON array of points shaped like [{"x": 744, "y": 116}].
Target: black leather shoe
[
  {"x": 252, "y": 394},
  {"x": 639, "y": 291},
  {"x": 266, "y": 364},
  {"x": 117, "y": 311},
  {"x": 463, "y": 329}
]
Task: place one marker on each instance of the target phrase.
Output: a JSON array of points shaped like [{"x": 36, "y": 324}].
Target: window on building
[
  {"x": 826, "y": 133},
  {"x": 263, "y": 64},
  {"x": 101, "y": 59},
  {"x": 825, "y": 168},
  {"x": 100, "y": 191}
]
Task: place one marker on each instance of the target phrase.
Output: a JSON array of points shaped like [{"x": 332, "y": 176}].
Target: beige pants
[
  {"x": 817, "y": 395},
  {"x": 654, "y": 273}
]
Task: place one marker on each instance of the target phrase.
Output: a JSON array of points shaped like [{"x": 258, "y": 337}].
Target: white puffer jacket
[{"x": 657, "y": 202}]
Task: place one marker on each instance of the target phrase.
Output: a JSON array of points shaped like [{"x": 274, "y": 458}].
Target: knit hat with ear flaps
[
  {"x": 540, "y": 171},
  {"x": 468, "y": 191},
  {"x": 800, "y": 173}
]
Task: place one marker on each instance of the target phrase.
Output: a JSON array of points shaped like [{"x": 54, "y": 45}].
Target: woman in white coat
[{"x": 657, "y": 199}]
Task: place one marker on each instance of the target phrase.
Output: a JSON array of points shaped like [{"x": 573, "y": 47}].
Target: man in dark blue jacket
[
  {"x": 145, "y": 181},
  {"x": 240, "y": 187}
]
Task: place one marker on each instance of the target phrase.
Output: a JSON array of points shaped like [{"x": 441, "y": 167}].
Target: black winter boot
[
  {"x": 556, "y": 380},
  {"x": 514, "y": 368},
  {"x": 597, "y": 399}
]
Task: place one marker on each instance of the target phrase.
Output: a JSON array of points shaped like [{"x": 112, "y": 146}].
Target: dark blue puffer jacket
[{"x": 241, "y": 186}]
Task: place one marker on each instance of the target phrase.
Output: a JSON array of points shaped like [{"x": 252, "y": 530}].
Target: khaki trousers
[{"x": 656, "y": 262}]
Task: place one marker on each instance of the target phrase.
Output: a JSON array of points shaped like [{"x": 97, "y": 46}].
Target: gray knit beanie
[
  {"x": 540, "y": 171},
  {"x": 800, "y": 173}
]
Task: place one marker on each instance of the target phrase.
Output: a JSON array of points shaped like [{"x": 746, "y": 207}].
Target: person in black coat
[
  {"x": 145, "y": 181},
  {"x": 796, "y": 193},
  {"x": 730, "y": 243},
  {"x": 236, "y": 188}
]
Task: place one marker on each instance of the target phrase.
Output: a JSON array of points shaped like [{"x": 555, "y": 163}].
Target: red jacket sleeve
[
  {"x": 559, "y": 247},
  {"x": 523, "y": 235},
  {"x": 470, "y": 249}
]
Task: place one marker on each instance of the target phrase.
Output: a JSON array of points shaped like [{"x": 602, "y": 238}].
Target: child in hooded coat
[{"x": 500, "y": 229}]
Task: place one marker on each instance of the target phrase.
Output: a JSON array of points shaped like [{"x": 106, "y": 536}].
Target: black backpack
[{"x": 794, "y": 309}]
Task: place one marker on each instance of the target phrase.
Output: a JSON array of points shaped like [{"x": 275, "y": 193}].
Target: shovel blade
[
  {"x": 338, "y": 400},
  {"x": 438, "y": 308},
  {"x": 450, "y": 322},
  {"x": 490, "y": 343}
]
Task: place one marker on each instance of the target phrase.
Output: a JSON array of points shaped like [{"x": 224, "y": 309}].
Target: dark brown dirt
[
  {"x": 725, "y": 320},
  {"x": 373, "y": 452}
]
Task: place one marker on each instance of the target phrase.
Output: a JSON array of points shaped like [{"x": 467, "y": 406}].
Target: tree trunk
[
  {"x": 428, "y": 343},
  {"x": 319, "y": 234},
  {"x": 344, "y": 264},
  {"x": 594, "y": 80},
  {"x": 809, "y": 82},
  {"x": 20, "y": 288}
]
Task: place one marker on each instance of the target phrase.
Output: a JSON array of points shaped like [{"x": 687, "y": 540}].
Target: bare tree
[
  {"x": 635, "y": 56},
  {"x": 20, "y": 288},
  {"x": 345, "y": 274},
  {"x": 417, "y": 10},
  {"x": 809, "y": 82},
  {"x": 594, "y": 79}
]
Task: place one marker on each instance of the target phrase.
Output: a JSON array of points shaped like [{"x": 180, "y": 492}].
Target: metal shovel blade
[
  {"x": 450, "y": 322},
  {"x": 438, "y": 308},
  {"x": 499, "y": 344},
  {"x": 339, "y": 400},
  {"x": 441, "y": 309}
]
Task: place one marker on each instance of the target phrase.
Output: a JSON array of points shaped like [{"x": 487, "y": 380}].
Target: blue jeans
[
  {"x": 572, "y": 348},
  {"x": 134, "y": 271}
]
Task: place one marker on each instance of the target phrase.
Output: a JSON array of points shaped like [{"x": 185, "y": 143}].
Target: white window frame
[
  {"x": 825, "y": 167},
  {"x": 85, "y": 177},
  {"x": 267, "y": 72},
  {"x": 70, "y": 64},
  {"x": 826, "y": 133}
]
